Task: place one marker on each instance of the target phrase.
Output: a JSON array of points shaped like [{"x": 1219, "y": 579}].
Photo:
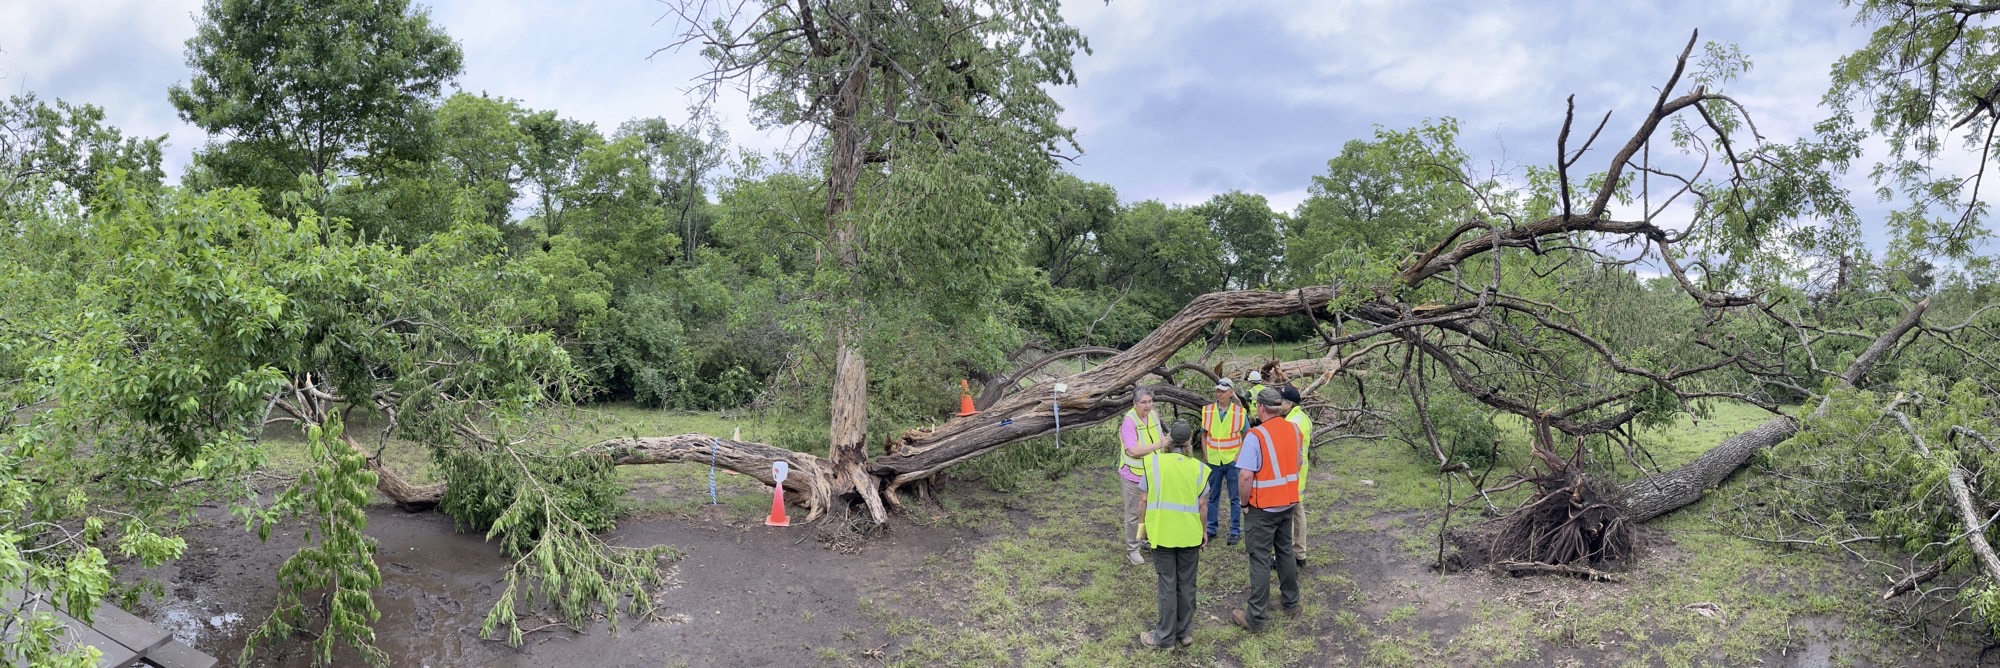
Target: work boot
[
  {"x": 1292, "y": 611},
  {"x": 1150, "y": 641},
  {"x": 1235, "y": 538},
  {"x": 1243, "y": 620},
  {"x": 1133, "y": 556},
  {"x": 1302, "y": 562},
  {"x": 1187, "y": 640}
]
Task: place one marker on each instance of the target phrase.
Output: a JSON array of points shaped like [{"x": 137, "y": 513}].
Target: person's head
[
  {"x": 1290, "y": 395},
  {"x": 1142, "y": 400},
  {"x": 1256, "y": 376},
  {"x": 1270, "y": 404},
  {"x": 1177, "y": 436},
  {"x": 1224, "y": 391}
]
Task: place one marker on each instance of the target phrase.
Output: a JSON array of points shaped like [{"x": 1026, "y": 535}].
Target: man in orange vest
[
  {"x": 1222, "y": 425},
  {"x": 1268, "y": 469}
]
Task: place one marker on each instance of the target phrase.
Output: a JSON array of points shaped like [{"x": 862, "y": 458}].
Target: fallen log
[
  {"x": 1667, "y": 491},
  {"x": 1090, "y": 397}
]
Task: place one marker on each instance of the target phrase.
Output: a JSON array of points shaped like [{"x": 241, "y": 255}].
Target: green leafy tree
[
  {"x": 322, "y": 89},
  {"x": 931, "y": 110},
  {"x": 485, "y": 149},
  {"x": 1066, "y": 228},
  {"x": 1252, "y": 239},
  {"x": 65, "y": 145},
  {"x": 1163, "y": 255}
]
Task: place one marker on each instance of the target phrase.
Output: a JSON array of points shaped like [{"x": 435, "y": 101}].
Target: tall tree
[
  {"x": 1067, "y": 229},
  {"x": 323, "y": 89},
  {"x": 897, "y": 87},
  {"x": 1252, "y": 242},
  {"x": 680, "y": 159}
]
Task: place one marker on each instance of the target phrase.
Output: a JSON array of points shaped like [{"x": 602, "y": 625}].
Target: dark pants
[
  {"x": 1176, "y": 567},
  {"x": 1269, "y": 537},
  {"x": 1220, "y": 477}
]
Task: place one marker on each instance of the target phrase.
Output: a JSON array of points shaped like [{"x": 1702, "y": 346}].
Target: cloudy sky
[{"x": 1181, "y": 99}]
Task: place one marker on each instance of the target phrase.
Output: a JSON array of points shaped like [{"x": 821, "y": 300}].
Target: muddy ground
[
  {"x": 741, "y": 596},
  {"x": 957, "y": 584}
]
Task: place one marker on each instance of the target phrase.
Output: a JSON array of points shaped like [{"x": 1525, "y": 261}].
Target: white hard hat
[{"x": 1256, "y": 377}]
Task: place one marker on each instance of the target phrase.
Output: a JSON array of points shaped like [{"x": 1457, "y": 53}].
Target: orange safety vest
[
  {"x": 1276, "y": 483},
  {"x": 1225, "y": 432}
]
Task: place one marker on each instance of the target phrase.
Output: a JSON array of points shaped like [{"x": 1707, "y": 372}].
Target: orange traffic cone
[
  {"x": 777, "y": 518},
  {"x": 965, "y": 399}
]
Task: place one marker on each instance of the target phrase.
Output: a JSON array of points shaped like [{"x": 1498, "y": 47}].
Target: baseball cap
[
  {"x": 1290, "y": 393},
  {"x": 1270, "y": 397}
]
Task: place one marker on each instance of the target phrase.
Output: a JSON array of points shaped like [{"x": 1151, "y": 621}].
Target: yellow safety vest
[
  {"x": 1149, "y": 434},
  {"x": 1225, "y": 432},
  {"x": 1174, "y": 484},
  {"x": 1304, "y": 422}
]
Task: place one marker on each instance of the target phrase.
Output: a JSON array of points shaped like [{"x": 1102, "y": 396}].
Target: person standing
[
  {"x": 1222, "y": 427},
  {"x": 1176, "y": 493},
  {"x": 1268, "y": 468},
  {"x": 1296, "y": 414},
  {"x": 1138, "y": 436}
]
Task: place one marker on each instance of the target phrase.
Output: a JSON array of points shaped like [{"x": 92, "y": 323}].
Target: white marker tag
[
  {"x": 779, "y": 469},
  {"x": 1062, "y": 387}
]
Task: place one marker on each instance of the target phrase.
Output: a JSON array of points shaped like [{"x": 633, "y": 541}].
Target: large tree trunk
[
  {"x": 1667, "y": 491},
  {"x": 848, "y": 446},
  {"x": 1091, "y": 397}
]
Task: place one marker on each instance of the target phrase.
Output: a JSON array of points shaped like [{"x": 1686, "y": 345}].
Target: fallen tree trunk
[
  {"x": 1090, "y": 397},
  {"x": 1667, "y": 491}
]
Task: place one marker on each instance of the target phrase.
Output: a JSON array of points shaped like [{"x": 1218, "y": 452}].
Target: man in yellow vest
[
  {"x": 1222, "y": 428},
  {"x": 1268, "y": 468},
  {"x": 1176, "y": 492},
  {"x": 1296, "y": 414}
]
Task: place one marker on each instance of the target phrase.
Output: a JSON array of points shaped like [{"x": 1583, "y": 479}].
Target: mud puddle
[{"x": 744, "y": 595}]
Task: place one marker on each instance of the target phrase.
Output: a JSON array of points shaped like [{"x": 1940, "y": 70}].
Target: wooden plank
[
  {"x": 138, "y": 634},
  {"x": 176, "y": 655},
  {"x": 114, "y": 654}
]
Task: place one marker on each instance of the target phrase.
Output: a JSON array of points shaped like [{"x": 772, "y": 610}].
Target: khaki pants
[{"x": 1135, "y": 513}]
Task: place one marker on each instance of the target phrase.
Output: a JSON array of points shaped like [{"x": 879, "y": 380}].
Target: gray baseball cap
[{"x": 1271, "y": 397}]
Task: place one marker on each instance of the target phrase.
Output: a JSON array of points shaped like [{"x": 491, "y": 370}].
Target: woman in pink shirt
[{"x": 1138, "y": 436}]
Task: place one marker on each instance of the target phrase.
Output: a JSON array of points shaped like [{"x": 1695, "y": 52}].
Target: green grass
[
  {"x": 1045, "y": 584},
  {"x": 1049, "y": 587}
]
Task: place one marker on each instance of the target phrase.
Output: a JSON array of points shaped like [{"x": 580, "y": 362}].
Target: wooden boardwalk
[{"x": 124, "y": 640}]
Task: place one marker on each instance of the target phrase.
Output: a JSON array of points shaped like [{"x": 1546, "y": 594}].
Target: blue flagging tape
[{"x": 1055, "y": 403}]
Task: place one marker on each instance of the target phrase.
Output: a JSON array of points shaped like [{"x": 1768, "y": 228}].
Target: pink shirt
[{"x": 1128, "y": 436}]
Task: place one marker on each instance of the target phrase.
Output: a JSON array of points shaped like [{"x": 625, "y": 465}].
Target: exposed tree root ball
[{"x": 1572, "y": 521}]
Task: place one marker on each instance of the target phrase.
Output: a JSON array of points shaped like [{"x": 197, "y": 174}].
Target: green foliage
[
  {"x": 1050, "y": 458},
  {"x": 545, "y": 507},
  {"x": 514, "y": 494},
  {"x": 1923, "y": 85},
  {"x": 338, "y": 558},
  {"x": 1379, "y": 201},
  {"x": 314, "y": 88},
  {"x": 1250, "y": 236},
  {"x": 1464, "y": 427},
  {"x": 65, "y": 145}
]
